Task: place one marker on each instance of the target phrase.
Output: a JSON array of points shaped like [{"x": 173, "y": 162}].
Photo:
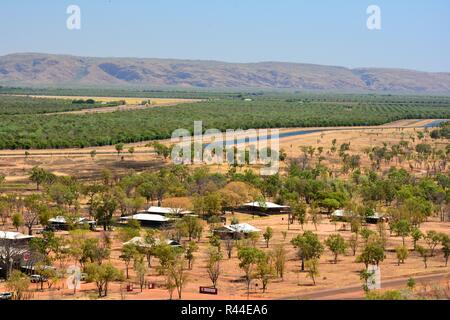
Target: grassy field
[
  {"x": 126, "y": 100},
  {"x": 226, "y": 94},
  {"x": 104, "y": 92}
]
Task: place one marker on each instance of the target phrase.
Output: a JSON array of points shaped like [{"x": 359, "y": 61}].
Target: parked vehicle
[
  {"x": 5, "y": 295},
  {"x": 36, "y": 278}
]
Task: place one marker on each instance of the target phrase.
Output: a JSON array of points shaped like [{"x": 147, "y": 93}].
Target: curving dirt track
[
  {"x": 355, "y": 292},
  {"x": 127, "y": 107}
]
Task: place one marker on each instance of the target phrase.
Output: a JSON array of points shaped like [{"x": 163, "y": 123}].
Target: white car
[
  {"x": 5, "y": 295},
  {"x": 36, "y": 278}
]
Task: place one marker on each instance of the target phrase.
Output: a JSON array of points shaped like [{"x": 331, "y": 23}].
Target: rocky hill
[{"x": 32, "y": 69}]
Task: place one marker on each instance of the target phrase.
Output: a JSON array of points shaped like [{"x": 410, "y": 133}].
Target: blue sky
[{"x": 415, "y": 34}]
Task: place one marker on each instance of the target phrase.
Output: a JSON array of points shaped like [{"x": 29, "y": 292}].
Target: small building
[
  {"x": 140, "y": 242},
  {"x": 61, "y": 223},
  {"x": 30, "y": 269},
  {"x": 376, "y": 217},
  {"x": 264, "y": 208},
  {"x": 15, "y": 238},
  {"x": 235, "y": 231},
  {"x": 342, "y": 215},
  {"x": 149, "y": 220},
  {"x": 14, "y": 248},
  {"x": 339, "y": 215},
  {"x": 165, "y": 211}
]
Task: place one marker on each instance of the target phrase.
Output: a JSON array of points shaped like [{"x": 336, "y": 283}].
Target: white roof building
[
  {"x": 147, "y": 217},
  {"x": 63, "y": 220},
  {"x": 242, "y": 228},
  {"x": 338, "y": 214},
  {"x": 344, "y": 213},
  {"x": 166, "y": 211},
  {"x": 268, "y": 205},
  {"x": 9, "y": 235},
  {"x": 140, "y": 242},
  {"x": 376, "y": 215}
]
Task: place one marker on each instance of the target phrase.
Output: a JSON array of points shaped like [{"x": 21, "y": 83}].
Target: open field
[
  {"x": 128, "y": 107},
  {"x": 122, "y": 174},
  {"x": 78, "y": 162},
  {"x": 127, "y": 100},
  {"x": 19, "y": 105},
  {"x": 112, "y": 93},
  {"x": 103, "y": 104},
  {"x": 128, "y": 104}
]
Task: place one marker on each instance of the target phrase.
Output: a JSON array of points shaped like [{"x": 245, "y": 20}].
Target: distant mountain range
[{"x": 35, "y": 69}]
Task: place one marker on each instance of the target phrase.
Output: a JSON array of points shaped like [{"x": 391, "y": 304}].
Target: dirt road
[
  {"x": 127, "y": 107},
  {"x": 356, "y": 292}
]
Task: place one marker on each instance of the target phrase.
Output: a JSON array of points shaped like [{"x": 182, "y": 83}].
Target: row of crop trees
[
  {"x": 58, "y": 131},
  {"x": 17, "y": 105},
  {"x": 193, "y": 94}
]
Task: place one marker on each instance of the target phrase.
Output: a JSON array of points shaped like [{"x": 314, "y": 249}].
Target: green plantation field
[
  {"x": 135, "y": 93},
  {"x": 230, "y": 94},
  {"x": 23, "y": 131},
  {"x": 13, "y": 105}
]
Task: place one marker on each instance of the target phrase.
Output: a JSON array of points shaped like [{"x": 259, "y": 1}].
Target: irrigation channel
[{"x": 433, "y": 124}]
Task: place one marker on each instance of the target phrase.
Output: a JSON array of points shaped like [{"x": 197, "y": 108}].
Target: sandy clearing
[
  {"x": 128, "y": 100},
  {"x": 130, "y": 103},
  {"x": 78, "y": 162}
]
